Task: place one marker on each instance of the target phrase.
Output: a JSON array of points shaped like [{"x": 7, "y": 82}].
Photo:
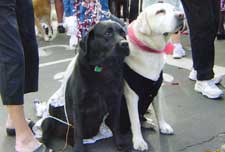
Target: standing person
[
  {"x": 59, "y": 12},
  {"x": 203, "y": 20},
  {"x": 18, "y": 68},
  {"x": 68, "y": 6},
  {"x": 221, "y": 31},
  {"x": 134, "y": 9}
]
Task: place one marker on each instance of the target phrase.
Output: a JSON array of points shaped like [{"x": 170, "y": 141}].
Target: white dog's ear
[{"x": 143, "y": 25}]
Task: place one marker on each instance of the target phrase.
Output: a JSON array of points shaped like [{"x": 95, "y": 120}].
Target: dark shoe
[
  {"x": 220, "y": 36},
  {"x": 12, "y": 131},
  {"x": 43, "y": 148},
  {"x": 61, "y": 29}
]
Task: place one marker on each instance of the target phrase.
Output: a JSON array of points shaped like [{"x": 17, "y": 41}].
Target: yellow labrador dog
[
  {"x": 42, "y": 11},
  {"x": 148, "y": 37}
]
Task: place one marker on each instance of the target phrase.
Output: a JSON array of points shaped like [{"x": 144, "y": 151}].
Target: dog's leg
[
  {"x": 50, "y": 31},
  {"x": 113, "y": 121},
  {"x": 132, "y": 105},
  {"x": 74, "y": 113},
  {"x": 78, "y": 136},
  {"x": 40, "y": 29},
  {"x": 164, "y": 127},
  {"x": 78, "y": 131}
]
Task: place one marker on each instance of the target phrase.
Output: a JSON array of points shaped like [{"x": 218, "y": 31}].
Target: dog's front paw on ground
[
  {"x": 46, "y": 38},
  {"x": 166, "y": 129},
  {"x": 140, "y": 144}
]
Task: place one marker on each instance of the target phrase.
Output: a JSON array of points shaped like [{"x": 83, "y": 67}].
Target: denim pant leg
[
  {"x": 203, "y": 17},
  {"x": 11, "y": 56},
  {"x": 25, "y": 19}
]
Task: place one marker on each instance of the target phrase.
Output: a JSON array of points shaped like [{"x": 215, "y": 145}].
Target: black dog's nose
[
  {"x": 124, "y": 47},
  {"x": 180, "y": 16},
  {"x": 123, "y": 43}
]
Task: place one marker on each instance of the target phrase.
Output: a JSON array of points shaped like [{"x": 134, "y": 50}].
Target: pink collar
[{"x": 168, "y": 49}]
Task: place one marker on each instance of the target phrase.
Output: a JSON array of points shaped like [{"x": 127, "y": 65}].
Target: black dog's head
[{"x": 105, "y": 40}]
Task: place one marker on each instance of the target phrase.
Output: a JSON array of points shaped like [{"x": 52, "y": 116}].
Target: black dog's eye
[
  {"x": 162, "y": 11},
  {"x": 109, "y": 32}
]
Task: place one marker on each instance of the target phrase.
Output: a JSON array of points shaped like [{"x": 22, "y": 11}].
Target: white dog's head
[{"x": 160, "y": 19}]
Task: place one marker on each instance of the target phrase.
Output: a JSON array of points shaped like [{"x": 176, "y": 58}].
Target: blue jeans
[{"x": 18, "y": 51}]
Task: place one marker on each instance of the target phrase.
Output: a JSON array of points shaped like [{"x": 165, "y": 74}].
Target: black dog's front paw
[{"x": 121, "y": 144}]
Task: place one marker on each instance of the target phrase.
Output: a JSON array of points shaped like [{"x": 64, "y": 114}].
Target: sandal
[
  {"x": 12, "y": 131},
  {"x": 43, "y": 148}
]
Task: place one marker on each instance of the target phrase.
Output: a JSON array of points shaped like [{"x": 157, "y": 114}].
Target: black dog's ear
[
  {"x": 84, "y": 42},
  {"x": 83, "y": 45}
]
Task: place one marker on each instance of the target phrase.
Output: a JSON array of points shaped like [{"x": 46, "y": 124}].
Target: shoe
[
  {"x": 208, "y": 89},
  {"x": 220, "y": 36},
  {"x": 42, "y": 148},
  {"x": 193, "y": 75},
  {"x": 178, "y": 51},
  {"x": 61, "y": 29},
  {"x": 216, "y": 79},
  {"x": 12, "y": 131}
]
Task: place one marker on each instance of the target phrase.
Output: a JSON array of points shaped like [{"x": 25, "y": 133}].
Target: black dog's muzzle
[{"x": 123, "y": 48}]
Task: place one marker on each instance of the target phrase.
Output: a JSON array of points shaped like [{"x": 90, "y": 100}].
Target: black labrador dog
[{"x": 95, "y": 87}]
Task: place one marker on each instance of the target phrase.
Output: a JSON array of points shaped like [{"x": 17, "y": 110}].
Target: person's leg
[
  {"x": 59, "y": 12},
  {"x": 202, "y": 16},
  {"x": 25, "y": 20},
  {"x": 12, "y": 73},
  {"x": 25, "y": 140},
  {"x": 202, "y": 23},
  {"x": 178, "y": 51},
  {"x": 134, "y": 8},
  {"x": 221, "y": 31}
]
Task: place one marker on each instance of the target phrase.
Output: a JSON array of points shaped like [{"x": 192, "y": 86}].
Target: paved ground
[{"x": 199, "y": 123}]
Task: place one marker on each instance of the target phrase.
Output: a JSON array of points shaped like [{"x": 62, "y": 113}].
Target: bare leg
[
  {"x": 25, "y": 141},
  {"x": 178, "y": 51},
  {"x": 59, "y": 10},
  {"x": 9, "y": 122},
  {"x": 176, "y": 38}
]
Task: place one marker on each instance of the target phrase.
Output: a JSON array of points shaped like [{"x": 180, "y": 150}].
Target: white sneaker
[
  {"x": 193, "y": 75},
  {"x": 209, "y": 89},
  {"x": 178, "y": 51},
  {"x": 216, "y": 79}
]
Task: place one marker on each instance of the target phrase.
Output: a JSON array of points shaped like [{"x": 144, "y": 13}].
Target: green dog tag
[{"x": 98, "y": 69}]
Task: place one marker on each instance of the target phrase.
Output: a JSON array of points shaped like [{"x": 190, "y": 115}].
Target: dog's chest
[
  {"x": 143, "y": 87},
  {"x": 149, "y": 65}
]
